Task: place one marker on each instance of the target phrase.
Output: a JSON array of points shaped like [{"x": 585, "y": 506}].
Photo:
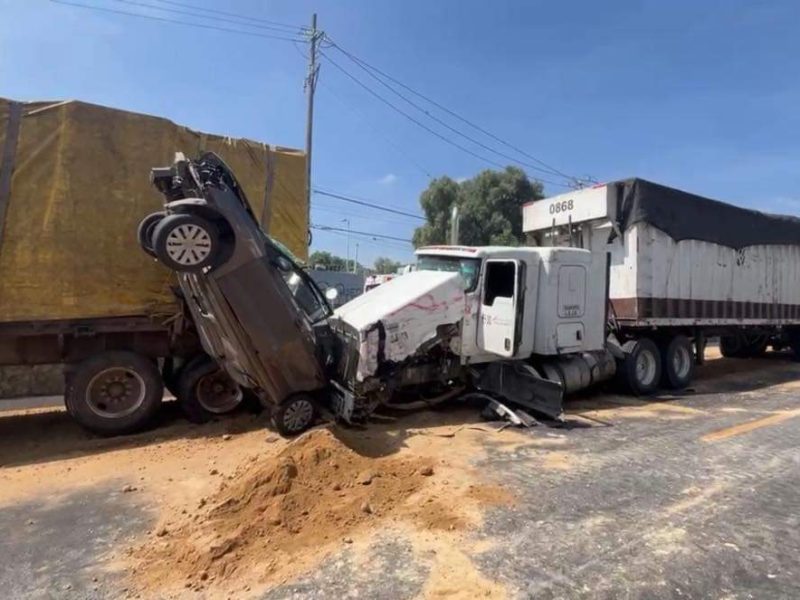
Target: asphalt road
[{"x": 688, "y": 497}]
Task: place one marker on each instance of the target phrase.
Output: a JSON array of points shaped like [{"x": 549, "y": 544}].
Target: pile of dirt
[{"x": 280, "y": 515}]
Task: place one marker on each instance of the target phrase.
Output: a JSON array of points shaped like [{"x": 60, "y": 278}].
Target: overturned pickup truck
[{"x": 520, "y": 325}]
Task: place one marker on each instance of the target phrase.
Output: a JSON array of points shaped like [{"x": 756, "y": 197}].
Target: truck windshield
[{"x": 469, "y": 268}]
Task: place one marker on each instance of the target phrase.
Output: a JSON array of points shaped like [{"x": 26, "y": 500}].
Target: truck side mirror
[{"x": 331, "y": 294}]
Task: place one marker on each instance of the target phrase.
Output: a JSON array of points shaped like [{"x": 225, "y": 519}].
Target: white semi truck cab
[{"x": 516, "y": 323}]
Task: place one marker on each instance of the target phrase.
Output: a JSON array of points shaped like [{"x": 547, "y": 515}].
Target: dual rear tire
[
  {"x": 648, "y": 366},
  {"x": 119, "y": 392},
  {"x": 114, "y": 393}
]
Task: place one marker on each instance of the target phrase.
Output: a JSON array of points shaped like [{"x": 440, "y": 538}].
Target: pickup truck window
[
  {"x": 469, "y": 268},
  {"x": 305, "y": 295}
]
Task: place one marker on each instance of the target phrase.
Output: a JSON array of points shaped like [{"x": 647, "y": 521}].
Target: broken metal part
[{"x": 518, "y": 383}]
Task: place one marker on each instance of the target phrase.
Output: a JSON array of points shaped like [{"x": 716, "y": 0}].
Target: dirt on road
[{"x": 232, "y": 509}]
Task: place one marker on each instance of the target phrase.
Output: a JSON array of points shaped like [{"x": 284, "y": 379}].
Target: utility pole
[
  {"x": 310, "y": 87},
  {"x": 355, "y": 264},
  {"x": 347, "y": 262}
]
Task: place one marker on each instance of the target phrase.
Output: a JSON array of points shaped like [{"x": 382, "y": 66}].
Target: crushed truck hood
[{"x": 391, "y": 322}]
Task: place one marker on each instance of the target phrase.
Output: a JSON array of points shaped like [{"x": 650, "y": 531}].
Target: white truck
[
  {"x": 682, "y": 268},
  {"x": 522, "y": 325},
  {"x": 629, "y": 277}
]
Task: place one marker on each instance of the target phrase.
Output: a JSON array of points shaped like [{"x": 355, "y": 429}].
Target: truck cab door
[{"x": 500, "y": 296}]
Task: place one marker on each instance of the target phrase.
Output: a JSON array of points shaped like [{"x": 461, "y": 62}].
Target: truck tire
[
  {"x": 186, "y": 243},
  {"x": 794, "y": 344},
  {"x": 641, "y": 368},
  {"x": 756, "y": 346},
  {"x": 677, "y": 363},
  {"x": 114, "y": 392},
  {"x": 145, "y": 231},
  {"x": 294, "y": 415},
  {"x": 205, "y": 391},
  {"x": 731, "y": 346}
]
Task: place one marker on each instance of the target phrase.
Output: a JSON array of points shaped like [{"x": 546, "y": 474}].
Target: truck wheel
[
  {"x": 677, "y": 363},
  {"x": 186, "y": 242},
  {"x": 205, "y": 390},
  {"x": 114, "y": 392},
  {"x": 641, "y": 368},
  {"x": 731, "y": 346},
  {"x": 145, "y": 231},
  {"x": 294, "y": 415},
  {"x": 756, "y": 346}
]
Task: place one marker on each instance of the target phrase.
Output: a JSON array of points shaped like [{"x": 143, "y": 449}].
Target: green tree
[
  {"x": 386, "y": 265},
  {"x": 489, "y": 204},
  {"x": 326, "y": 260}
]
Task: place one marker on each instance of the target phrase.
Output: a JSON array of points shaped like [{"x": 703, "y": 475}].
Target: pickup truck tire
[
  {"x": 294, "y": 415},
  {"x": 640, "y": 370},
  {"x": 145, "y": 231},
  {"x": 205, "y": 391},
  {"x": 114, "y": 392},
  {"x": 677, "y": 363},
  {"x": 186, "y": 243}
]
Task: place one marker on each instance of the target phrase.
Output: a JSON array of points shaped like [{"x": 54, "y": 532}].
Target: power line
[
  {"x": 230, "y": 14},
  {"x": 365, "y": 203},
  {"x": 388, "y": 140},
  {"x": 365, "y": 233},
  {"x": 235, "y": 21},
  {"x": 367, "y": 216},
  {"x": 422, "y": 125},
  {"x": 176, "y": 21},
  {"x": 446, "y": 125},
  {"x": 384, "y": 245},
  {"x": 452, "y": 113}
]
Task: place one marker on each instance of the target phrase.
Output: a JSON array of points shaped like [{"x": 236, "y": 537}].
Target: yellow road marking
[{"x": 729, "y": 432}]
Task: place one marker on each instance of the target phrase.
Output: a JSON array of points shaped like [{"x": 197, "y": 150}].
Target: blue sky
[{"x": 702, "y": 95}]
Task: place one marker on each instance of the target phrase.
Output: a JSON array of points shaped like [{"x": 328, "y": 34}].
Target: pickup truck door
[{"x": 498, "y": 312}]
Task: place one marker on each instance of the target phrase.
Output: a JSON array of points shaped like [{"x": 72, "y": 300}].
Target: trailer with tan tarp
[{"x": 74, "y": 185}]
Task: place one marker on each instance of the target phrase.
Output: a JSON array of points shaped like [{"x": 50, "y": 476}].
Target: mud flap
[{"x": 518, "y": 383}]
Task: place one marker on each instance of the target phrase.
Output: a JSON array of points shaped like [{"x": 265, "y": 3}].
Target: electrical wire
[
  {"x": 366, "y": 203},
  {"x": 385, "y": 245},
  {"x": 449, "y": 127},
  {"x": 176, "y": 21},
  {"x": 400, "y": 150},
  {"x": 364, "y": 64},
  {"x": 414, "y": 120},
  {"x": 230, "y": 14},
  {"x": 354, "y": 232},
  {"x": 235, "y": 21}
]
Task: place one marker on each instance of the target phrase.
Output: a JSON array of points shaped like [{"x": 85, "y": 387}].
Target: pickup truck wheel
[
  {"x": 114, "y": 392},
  {"x": 641, "y": 367},
  {"x": 205, "y": 390},
  {"x": 295, "y": 415},
  {"x": 145, "y": 231},
  {"x": 677, "y": 363},
  {"x": 185, "y": 242}
]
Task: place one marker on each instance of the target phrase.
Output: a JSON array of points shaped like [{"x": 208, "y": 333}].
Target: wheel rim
[
  {"x": 188, "y": 244},
  {"x": 681, "y": 362},
  {"x": 115, "y": 393},
  {"x": 645, "y": 368},
  {"x": 217, "y": 393},
  {"x": 298, "y": 415}
]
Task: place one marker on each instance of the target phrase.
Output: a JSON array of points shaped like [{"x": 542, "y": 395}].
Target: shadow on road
[{"x": 50, "y": 434}]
